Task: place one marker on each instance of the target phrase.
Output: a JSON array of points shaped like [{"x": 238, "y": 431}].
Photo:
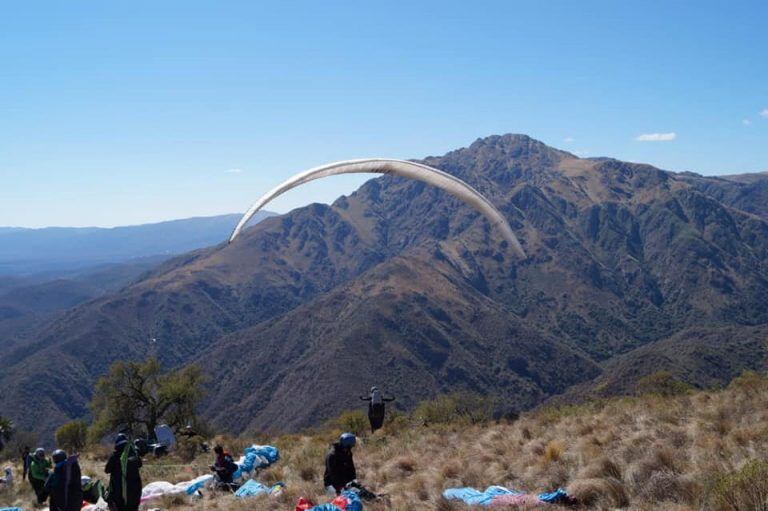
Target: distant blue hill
[{"x": 58, "y": 249}]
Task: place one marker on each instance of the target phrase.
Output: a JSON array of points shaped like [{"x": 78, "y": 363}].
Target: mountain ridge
[{"x": 621, "y": 255}]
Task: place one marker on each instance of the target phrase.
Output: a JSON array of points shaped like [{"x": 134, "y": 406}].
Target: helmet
[
  {"x": 39, "y": 452},
  {"x": 347, "y": 440},
  {"x": 121, "y": 440},
  {"x": 59, "y": 456},
  {"x": 374, "y": 389}
]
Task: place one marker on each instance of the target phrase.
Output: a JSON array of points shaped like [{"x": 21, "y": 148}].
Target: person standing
[
  {"x": 25, "y": 459},
  {"x": 64, "y": 484},
  {"x": 123, "y": 467},
  {"x": 39, "y": 467},
  {"x": 376, "y": 408}
]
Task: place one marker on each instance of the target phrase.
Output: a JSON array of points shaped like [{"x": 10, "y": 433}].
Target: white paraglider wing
[{"x": 402, "y": 168}]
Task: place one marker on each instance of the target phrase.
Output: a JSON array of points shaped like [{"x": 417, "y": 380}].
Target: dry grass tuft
[
  {"x": 600, "y": 493},
  {"x": 554, "y": 451},
  {"x": 680, "y": 451}
]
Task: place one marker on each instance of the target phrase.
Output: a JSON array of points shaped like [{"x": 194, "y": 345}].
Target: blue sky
[{"x": 117, "y": 113}]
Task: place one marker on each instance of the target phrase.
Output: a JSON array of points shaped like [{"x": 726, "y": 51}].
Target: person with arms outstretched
[{"x": 376, "y": 408}]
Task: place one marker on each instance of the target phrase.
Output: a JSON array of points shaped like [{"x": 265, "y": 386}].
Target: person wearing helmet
[
  {"x": 63, "y": 484},
  {"x": 124, "y": 491},
  {"x": 339, "y": 465},
  {"x": 39, "y": 467},
  {"x": 376, "y": 408}
]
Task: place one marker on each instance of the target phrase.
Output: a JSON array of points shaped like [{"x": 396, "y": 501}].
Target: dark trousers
[
  {"x": 39, "y": 487},
  {"x": 376, "y": 416}
]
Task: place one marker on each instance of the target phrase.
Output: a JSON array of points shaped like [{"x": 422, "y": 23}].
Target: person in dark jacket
[
  {"x": 124, "y": 493},
  {"x": 39, "y": 467},
  {"x": 339, "y": 465},
  {"x": 63, "y": 484},
  {"x": 376, "y": 408},
  {"x": 224, "y": 466},
  {"x": 26, "y": 457}
]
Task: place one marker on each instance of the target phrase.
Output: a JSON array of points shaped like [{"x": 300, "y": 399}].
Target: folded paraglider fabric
[
  {"x": 252, "y": 488},
  {"x": 554, "y": 497},
  {"x": 256, "y": 456},
  {"x": 160, "y": 488},
  {"x": 197, "y": 483},
  {"x": 475, "y": 497},
  {"x": 304, "y": 504},
  {"x": 498, "y": 496},
  {"x": 347, "y": 501},
  {"x": 11, "y": 509}
]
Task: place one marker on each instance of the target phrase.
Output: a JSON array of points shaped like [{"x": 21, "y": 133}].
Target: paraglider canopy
[{"x": 402, "y": 168}]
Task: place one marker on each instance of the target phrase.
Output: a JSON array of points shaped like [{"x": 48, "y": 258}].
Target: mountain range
[
  {"x": 44, "y": 272},
  {"x": 54, "y": 250},
  {"x": 630, "y": 269}
]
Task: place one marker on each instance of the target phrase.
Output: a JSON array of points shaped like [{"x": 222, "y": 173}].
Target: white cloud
[
  {"x": 746, "y": 122},
  {"x": 234, "y": 171},
  {"x": 568, "y": 140},
  {"x": 656, "y": 137},
  {"x": 764, "y": 112}
]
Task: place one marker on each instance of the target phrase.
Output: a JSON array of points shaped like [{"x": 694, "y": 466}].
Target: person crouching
[
  {"x": 339, "y": 465},
  {"x": 224, "y": 467}
]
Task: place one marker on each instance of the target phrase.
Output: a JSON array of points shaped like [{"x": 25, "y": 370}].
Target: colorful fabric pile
[
  {"x": 347, "y": 501},
  {"x": 498, "y": 496},
  {"x": 255, "y": 456}
]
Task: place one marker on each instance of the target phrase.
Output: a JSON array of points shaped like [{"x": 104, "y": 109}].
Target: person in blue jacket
[{"x": 63, "y": 484}]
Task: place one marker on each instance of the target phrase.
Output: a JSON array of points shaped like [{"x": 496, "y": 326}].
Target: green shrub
[
  {"x": 72, "y": 436},
  {"x": 352, "y": 421},
  {"x": 662, "y": 383},
  {"x": 456, "y": 408},
  {"x": 743, "y": 490}
]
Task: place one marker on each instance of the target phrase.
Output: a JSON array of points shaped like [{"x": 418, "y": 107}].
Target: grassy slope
[{"x": 647, "y": 452}]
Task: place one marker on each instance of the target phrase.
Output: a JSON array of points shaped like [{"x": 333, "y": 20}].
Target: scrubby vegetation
[{"x": 677, "y": 450}]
